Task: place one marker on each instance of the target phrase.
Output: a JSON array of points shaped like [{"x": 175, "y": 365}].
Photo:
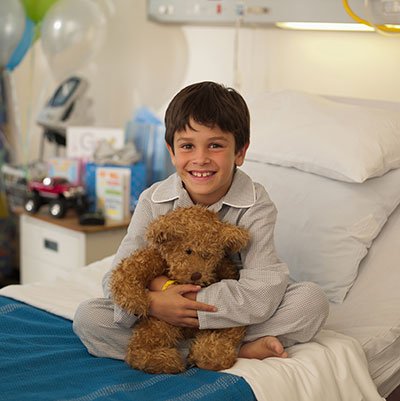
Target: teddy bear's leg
[
  {"x": 153, "y": 347},
  {"x": 216, "y": 349}
]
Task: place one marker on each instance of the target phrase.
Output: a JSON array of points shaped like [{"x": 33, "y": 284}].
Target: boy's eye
[
  {"x": 215, "y": 145},
  {"x": 187, "y": 146}
]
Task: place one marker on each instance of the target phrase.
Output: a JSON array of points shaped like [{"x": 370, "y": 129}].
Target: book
[{"x": 113, "y": 192}]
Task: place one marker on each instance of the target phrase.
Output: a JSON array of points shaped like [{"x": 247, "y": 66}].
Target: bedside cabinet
[{"x": 52, "y": 247}]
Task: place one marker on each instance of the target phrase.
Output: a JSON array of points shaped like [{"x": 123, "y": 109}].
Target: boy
[{"x": 207, "y": 135}]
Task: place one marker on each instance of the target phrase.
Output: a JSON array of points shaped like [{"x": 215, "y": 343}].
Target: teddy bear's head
[{"x": 193, "y": 241}]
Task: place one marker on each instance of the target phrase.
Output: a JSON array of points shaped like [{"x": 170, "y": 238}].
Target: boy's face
[{"x": 205, "y": 160}]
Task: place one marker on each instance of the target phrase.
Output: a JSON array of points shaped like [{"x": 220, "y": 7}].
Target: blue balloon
[{"x": 23, "y": 45}]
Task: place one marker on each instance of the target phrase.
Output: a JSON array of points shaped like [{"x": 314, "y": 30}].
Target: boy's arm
[
  {"x": 263, "y": 279},
  {"x": 134, "y": 239},
  {"x": 184, "y": 309}
]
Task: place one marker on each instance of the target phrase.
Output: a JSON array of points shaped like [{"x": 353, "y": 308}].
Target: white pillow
[
  {"x": 325, "y": 227},
  {"x": 311, "y": 133}
]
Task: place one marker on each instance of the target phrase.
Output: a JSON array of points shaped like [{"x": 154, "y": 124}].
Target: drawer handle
[{"x": 52, "y": 245}]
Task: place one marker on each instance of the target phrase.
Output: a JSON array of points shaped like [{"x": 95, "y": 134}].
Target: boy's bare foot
[{"x": 264, "y": 347}]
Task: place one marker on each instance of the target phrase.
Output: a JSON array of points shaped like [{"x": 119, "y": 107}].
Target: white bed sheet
[
  {"x": 332, "y": 367},
  {"x": 371, "y": 310}
]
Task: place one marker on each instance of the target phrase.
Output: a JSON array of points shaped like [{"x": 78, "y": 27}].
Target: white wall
[
  {"x": 145, "y": 63},
  {"x": 348, "y": 64},
  {"x": 355, "y": 64}
]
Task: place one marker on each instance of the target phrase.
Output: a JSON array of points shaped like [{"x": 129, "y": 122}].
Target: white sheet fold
[{"x": 332, "y": 367}]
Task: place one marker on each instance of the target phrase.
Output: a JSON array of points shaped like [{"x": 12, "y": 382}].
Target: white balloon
[
  {"x": 12, "y": 26},
  {"x": 71, "y": 34}
]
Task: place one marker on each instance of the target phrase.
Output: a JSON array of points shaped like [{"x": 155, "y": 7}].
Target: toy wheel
[
  {"x": 32, "y": 203},
  {"x": 58, "y": 208}
]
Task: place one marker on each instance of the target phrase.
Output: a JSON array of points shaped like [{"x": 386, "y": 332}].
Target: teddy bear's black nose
[{"x": 196, "y": 276}]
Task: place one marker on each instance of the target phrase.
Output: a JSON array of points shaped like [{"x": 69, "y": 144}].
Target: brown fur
[{"x": 180, "y": 243}]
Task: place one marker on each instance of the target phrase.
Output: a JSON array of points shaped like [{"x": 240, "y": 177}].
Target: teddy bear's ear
[
  {"x": 235, "y": 238},
  {"x": 160, "y": 231}
]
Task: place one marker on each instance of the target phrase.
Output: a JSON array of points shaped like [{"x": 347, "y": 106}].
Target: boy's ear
[
  {"x": 171, "y": 154},
  {"x": 234, "y": 238},
  {"x": 241, "y": 154}
]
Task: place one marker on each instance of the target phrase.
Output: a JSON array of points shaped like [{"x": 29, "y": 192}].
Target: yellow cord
[{"x": 356, "y": 18}]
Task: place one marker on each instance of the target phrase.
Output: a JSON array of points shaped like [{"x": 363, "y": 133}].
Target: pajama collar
[{"x": 241, "y": 194}]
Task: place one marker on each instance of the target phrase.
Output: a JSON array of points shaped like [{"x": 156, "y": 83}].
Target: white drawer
[{"x": 53, "y": 244}]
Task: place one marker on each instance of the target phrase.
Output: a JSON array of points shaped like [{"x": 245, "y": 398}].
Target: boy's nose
[{"x": 202, "y": 157}]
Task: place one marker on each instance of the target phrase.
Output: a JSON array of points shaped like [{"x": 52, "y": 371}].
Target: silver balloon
[
  {"x": 12, "y": 26},
  {"x": 72, "y": 32},
  {"x": 383, "y": 12}
]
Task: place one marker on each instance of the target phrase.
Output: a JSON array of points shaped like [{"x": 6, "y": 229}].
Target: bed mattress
[
  {"x": 376, "y": 325},
  {"x": 332, "y": 367}
]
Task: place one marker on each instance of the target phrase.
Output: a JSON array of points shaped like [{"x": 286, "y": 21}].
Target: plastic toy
[{"x": 58, "y": 193}]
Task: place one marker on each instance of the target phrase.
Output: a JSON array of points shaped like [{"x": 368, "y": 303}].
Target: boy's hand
[
  {"x": 173, "y": 307},
  {"x": 157, "y": 284}
]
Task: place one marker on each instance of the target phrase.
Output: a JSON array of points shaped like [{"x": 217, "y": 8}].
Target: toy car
[{"x": 58, "y": 193}]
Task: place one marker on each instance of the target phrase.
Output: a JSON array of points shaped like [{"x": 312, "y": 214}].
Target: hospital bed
[{"x": 338, "y": 224}]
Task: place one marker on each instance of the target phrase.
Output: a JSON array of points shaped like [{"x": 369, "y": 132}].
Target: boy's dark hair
[{"x": 209, "y": 104}]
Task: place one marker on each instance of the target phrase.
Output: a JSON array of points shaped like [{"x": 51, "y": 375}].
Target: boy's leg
[
  {"x": 300, "y": 316},
  {"x": 94, "y": 325}
]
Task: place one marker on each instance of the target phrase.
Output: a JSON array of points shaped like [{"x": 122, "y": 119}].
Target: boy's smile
[{"x": 205, "y": 160}]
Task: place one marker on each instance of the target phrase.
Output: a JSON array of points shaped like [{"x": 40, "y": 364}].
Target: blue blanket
[{"x": 42, "y": 359}]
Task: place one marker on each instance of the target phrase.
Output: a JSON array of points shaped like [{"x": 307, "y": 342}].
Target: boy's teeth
[{"x": 198, "y": 174}]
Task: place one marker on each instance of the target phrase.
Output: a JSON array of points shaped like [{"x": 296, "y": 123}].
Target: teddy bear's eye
[{"x": 188, "y": 251}]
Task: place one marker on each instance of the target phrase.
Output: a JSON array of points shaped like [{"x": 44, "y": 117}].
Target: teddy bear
[{"x": 188, "y": 245}]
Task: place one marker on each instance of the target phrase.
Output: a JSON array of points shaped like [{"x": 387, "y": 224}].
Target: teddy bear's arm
[
  {"x": 227, "y": 270},
  {"x": 130, "y": 279}
]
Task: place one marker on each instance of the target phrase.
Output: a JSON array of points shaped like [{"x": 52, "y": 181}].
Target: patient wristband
[{"x": 168, "y": 284}]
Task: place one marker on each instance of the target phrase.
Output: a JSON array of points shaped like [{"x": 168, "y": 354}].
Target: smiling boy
[
  {"x": 205, "y": 159},
  {"x": 207, "y": 135}
]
